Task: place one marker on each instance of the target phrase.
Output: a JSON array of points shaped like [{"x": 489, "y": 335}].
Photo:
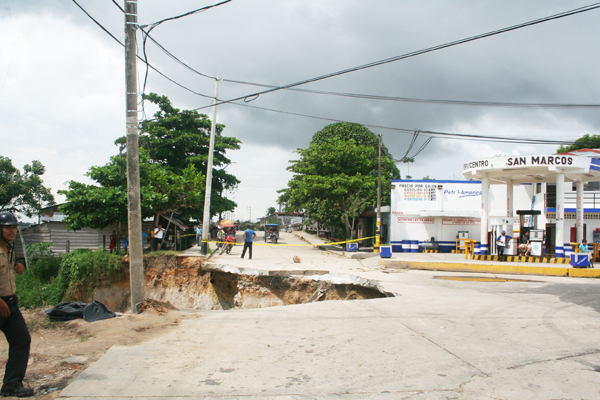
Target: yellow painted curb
[
  {"x": 584, "y": 272},
  {"x": 483, "y": 268}
]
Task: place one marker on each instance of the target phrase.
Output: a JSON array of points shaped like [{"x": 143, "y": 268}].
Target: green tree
[
  {"x": 173, "y": 159},
  {"x": 23, "y": 193},
  {"x": 177, "y": 138},
  {"x": 271, "y": 217},
  {"x": 585, "y": 142},
  {"x": 407, "y": 161},
  {"x": 335, "y": 179},
  {"x": 105, "y": 202}
]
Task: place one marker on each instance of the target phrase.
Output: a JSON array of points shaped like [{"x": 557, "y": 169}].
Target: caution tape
[{"x": 291, "y": 245}]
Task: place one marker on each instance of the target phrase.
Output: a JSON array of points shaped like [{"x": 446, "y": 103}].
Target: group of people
[
  {"x": 226, "y": 237},
  {"x": 114, "y": 238},
  {"x": 503, "y": 242}
]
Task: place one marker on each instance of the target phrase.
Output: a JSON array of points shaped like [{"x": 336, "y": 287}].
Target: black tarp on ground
[
  {"x": 96, "y": 311},
  {"x": 67, "y": 311}
]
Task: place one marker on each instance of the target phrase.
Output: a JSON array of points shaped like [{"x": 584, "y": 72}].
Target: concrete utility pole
[
  {"x": 209, "y": 167},
  {"x": 378, "y": 228},
  {"x": 134, "y": 209}
]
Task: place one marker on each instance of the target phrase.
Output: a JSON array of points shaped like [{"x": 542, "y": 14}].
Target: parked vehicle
[{"x": 271, "y": 233}]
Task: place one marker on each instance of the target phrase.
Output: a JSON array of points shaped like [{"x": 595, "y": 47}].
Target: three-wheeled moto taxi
[{"x": 271, "y": 233}]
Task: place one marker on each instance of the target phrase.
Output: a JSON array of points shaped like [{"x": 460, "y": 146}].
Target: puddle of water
[{"x": 479, "y": 279}]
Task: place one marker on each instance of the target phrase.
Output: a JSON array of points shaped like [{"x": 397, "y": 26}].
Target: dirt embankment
[{"x": 183, "y": 283}]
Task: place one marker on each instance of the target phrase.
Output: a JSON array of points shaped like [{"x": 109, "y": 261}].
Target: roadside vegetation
[{"x": 51, "y": 278}]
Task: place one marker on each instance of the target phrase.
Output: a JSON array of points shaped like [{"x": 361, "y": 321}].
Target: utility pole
[
  {"x": 378, "y": 228},
  {"x": 134, "y": 209},
  {"x": 209, "y": 167}
]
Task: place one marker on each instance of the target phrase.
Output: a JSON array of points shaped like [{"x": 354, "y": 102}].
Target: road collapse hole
[{"x": 218, "y": 290}]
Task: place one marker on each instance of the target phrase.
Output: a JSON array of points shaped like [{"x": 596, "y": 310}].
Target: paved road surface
[{"x": 535, "y": 338}]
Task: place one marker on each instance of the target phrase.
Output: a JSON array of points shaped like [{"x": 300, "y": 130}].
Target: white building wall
[{"x": 440, "y": 209}]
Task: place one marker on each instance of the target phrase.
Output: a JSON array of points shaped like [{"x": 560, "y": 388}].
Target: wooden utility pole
[{"x": 134, "y": 209}]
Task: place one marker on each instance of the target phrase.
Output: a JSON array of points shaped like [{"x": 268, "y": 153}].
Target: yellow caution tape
[{"x": 291, "y": 245}]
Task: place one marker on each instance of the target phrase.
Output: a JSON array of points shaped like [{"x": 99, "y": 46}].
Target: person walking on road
[
  {"x": 249, "y": 235},
  {"x": 11, "y": 320}
]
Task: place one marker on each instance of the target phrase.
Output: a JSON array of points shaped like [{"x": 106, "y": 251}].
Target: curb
[{"x": 494, "y": 269}]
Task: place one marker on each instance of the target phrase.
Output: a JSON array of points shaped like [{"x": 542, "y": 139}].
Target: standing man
[
  {"x": 249, "y": 234},
  {"x": 159, "y": 233},
  {"x": 198, "y": 234},
  {"x": 502, "y": 242},
  {"x": 11, "y": 321}
]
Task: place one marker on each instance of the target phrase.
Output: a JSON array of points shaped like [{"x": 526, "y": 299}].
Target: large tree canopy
[
  {"x": 23, "y": 193},
  {"x": 101, "y": 204},
  {"x": 335, "y": 179},
  {"x": 173, "y": 159},
  {"x": 585, "y": 142},
  {"x": 176, "y": 139}
]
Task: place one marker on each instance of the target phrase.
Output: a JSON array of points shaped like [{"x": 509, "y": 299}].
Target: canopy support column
[
  {"x": 560, "y": 215},
  {"x": 510, "y": 209},
  {"x": 485, "y": 190},
  {"x": 580, "y": 206}
]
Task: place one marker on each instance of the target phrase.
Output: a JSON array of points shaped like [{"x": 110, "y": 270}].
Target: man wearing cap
[
  {"x": 11, "y": 321},
  {"x": 502, "y": 243}
]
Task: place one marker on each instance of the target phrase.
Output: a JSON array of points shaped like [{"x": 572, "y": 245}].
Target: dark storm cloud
[{"x": 272, "y": 43}]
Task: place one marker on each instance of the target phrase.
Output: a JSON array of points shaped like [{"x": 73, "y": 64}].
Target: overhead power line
[
  {"x": 428, "y": 133},
  {"x": 199, "y": 10},
  {"x": 432, "y": 133},
  {"x": 379, "y": 97},
  {"x": 138, "y": 57},
  {"x": 416, "y": 53},
  {"x": 383, "y": 98},
  {"x": 154, "y": 25},
  {"x": 358, "y": 95}
]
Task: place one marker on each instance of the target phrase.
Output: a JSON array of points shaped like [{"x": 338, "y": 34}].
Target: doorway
[{"x": 550, "y": 238}]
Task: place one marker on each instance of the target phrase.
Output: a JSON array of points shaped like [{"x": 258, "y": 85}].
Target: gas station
[{"x": 511, "y": 171}]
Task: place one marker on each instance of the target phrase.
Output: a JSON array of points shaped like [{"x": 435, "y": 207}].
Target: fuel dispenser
[{"x": 528, "y": 223}]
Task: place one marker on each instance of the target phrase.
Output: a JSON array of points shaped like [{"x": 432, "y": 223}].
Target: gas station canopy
[{"x": 534, "y": 168}]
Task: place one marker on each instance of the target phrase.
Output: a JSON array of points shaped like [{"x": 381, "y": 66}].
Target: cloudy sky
[{"x": 62, "y": 84}]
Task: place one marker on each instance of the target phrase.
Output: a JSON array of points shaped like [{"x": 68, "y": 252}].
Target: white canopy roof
[{"x": 534, "y": 168}]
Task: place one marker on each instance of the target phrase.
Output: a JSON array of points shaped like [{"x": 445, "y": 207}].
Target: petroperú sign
[{"x": 520, "y": 161}]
